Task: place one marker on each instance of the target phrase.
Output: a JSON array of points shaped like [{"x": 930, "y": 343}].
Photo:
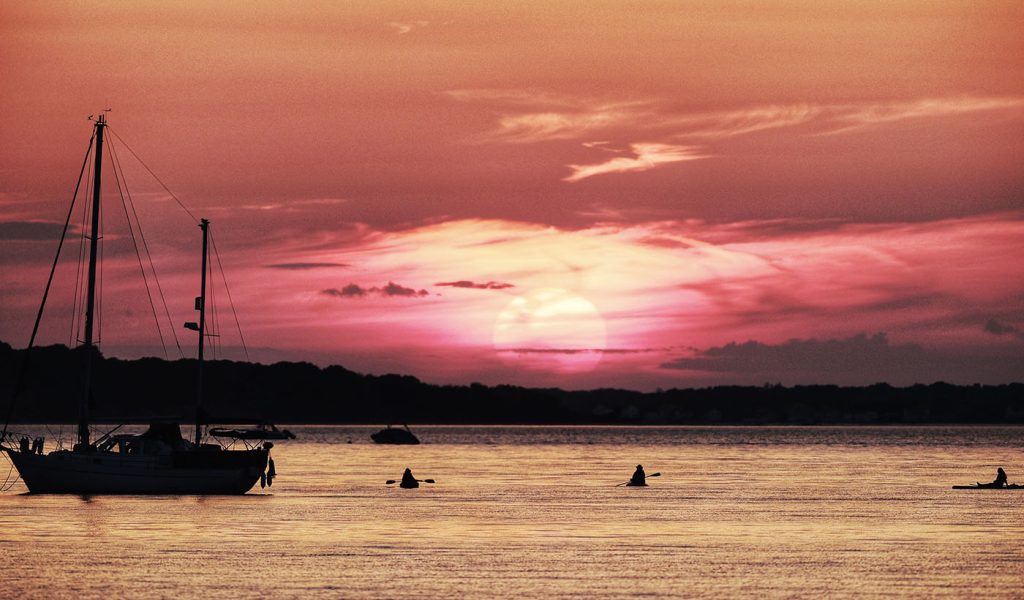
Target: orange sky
[{"x": 577, "y": 194}]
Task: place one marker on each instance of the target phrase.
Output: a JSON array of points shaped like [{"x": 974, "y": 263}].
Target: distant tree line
[{"x": 287, "y": 392}]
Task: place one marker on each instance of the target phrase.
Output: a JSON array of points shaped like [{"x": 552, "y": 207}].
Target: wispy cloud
[
  {"x": 567, "y": 117},
  {"x": 853, "y": 117},
  {"x": 404, "y": 27},
  {"x": 532, "y": 98},
  {"x": 581, "y": 350},
  {"x": 724, "y": 124},
  {"x": 303, "y": 266},
  {"x": 543, "y": 126},
  {"x": 646, "y": 157},
  {"x": 532, "y": 116}
]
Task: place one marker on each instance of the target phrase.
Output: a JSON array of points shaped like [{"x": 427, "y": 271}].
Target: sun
[{"x": 551, "y": 329}]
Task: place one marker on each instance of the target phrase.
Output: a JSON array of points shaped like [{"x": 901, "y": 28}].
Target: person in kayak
[
  {"x": 999, "y": 482},
  {"x": 408, "y": 481},
  {"x": 639, "y": 477}
]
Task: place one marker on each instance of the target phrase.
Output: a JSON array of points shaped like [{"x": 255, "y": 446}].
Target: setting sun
[{"x": 552, "y": 329}]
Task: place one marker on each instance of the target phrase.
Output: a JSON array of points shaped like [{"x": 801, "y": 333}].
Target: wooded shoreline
[{"x": 287, "y": 392}]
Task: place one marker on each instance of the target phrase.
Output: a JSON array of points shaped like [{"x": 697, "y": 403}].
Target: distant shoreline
[{"x": 153, "y": 389}]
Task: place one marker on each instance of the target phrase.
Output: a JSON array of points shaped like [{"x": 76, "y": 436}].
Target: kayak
[
  {"x": 631, "y": 484},
  {"x": 1012, "y": 486}
]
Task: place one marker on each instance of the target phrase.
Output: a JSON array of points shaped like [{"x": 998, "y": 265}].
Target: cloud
[
  {"x": 532, "y": 116},
  {"x": 537, "y": 127},
  {"x": 531, "y": 97},
  {"x": 648, "y": 156},
  {"x": 808, "y": 359},
  {"x": 724, "y": 124},
  {"x": 392, "y": 289},
  {"x": 31, "y": 231},
  {"x": 864, "y": 115},
  {"x": 996, "y": 328},
  {"x": 559, "y": 116},
  {"x": 490, "y": 285},
  {"x": 572, "y": 351},
  {"x": 349, "y": 291},
  {"x": 404, "y": 27},
  {"x": 856, "y": 360},
  {"x": 293, "y": 205},
  {"x": 301, "y": 266}
]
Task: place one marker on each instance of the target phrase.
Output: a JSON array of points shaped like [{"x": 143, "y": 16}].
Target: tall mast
[
  {"x": 90, "y": 310},
  {"x": 201, "y": 307}
]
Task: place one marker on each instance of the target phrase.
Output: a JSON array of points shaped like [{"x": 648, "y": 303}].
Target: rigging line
[
  {"x": 5, "y": 487},
  {"x": 149, "y": 258},
  {"x": 166, "y": 189},
  {"x": 227, "y": 289},
  {"x": 78, "y": 299},
  {"x": 46, "y": 292},
  {"x": 118, "y": 177},
  {"x": 99, "y": 283},
  {"x": 214, "y": 330}
]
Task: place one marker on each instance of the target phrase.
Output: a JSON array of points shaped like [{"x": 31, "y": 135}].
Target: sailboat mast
[
  {"x": 90, "y": 310},
  {"x": 201, "y": 306}
]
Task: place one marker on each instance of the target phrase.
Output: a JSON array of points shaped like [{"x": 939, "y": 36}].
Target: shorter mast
[{"x": 204, "y": 224}]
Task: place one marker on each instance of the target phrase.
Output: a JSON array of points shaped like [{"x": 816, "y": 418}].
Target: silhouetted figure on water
[
  {"x": 408, "y": 481},
  {"x": 999, "y": 482},
  {"x": 639, "y": 478}
]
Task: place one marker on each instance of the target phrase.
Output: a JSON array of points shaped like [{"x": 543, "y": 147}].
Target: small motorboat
[{"x": 393, "y": 435}]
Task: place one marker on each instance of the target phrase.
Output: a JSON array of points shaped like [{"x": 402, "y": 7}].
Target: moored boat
[
  {"x": 160, "y": 460},
  {"x": 393, "y": 435}
]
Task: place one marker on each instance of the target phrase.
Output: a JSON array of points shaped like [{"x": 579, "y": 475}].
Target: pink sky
[{"x": 576, "y": 195}]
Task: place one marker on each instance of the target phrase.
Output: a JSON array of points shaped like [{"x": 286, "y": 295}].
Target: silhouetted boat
[
  {"x": 160, "y": 460},
  {"x": 985, "y": 486},
  {"x": 264, "y": 431},
  {"x": 392, "y": 435}
]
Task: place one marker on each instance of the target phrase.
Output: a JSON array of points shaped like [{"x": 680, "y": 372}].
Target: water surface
[{"x": 535, "y": 512}]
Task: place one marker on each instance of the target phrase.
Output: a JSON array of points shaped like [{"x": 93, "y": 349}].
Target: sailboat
[{"x": 160, "y": 460}]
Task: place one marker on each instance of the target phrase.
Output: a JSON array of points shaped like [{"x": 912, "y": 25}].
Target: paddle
[
  {"x": 390, "y": 481},
  {"x": 627, "y": 482}
]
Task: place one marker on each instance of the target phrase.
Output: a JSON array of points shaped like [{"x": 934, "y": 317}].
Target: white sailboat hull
[{"x": 63, "y": 472}]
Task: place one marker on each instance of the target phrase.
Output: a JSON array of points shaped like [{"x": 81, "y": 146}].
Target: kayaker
[
  {"x": 1000, "y": 478},
  {"x": 408, "y": 481},
  {"x": 639, "y": 477}
]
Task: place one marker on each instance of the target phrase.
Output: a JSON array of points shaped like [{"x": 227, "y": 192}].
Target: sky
[{"x": 603, "y": 194}]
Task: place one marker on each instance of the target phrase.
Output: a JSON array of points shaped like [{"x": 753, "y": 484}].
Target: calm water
[{"x": 534, "y": 512}]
